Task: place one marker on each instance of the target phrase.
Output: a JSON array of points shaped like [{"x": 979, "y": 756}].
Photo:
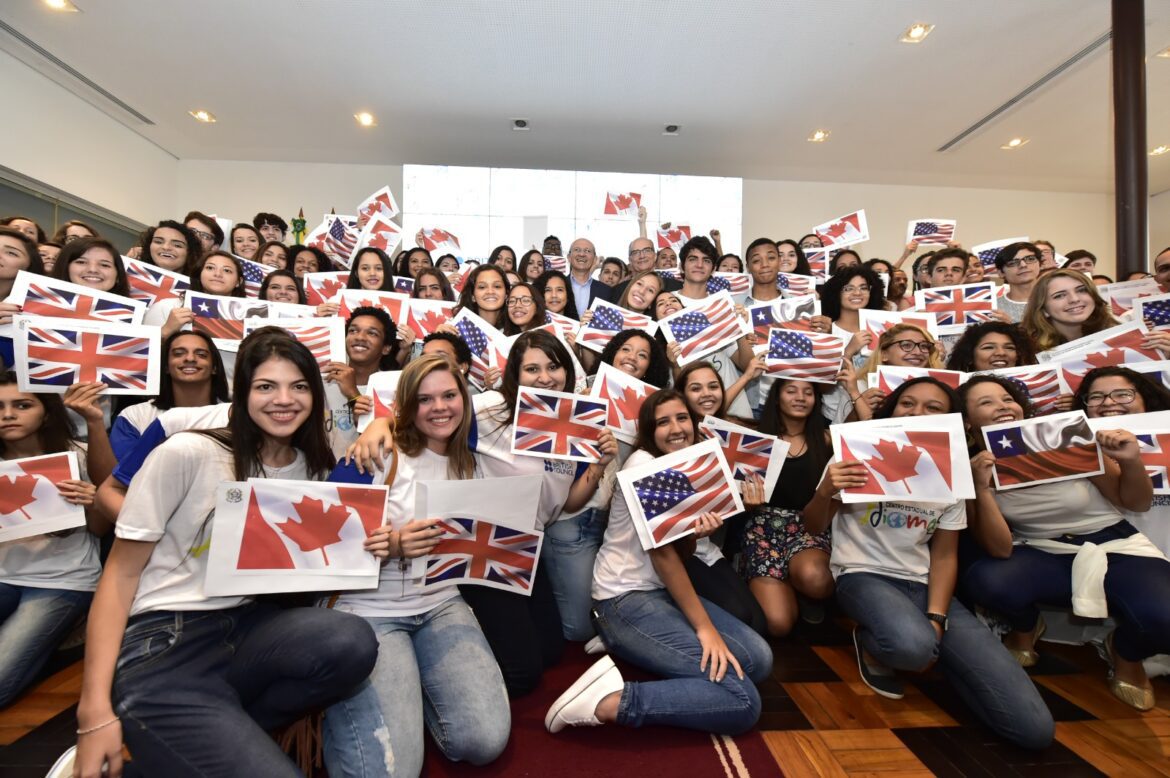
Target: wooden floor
[{"x": 818, "y": 720}]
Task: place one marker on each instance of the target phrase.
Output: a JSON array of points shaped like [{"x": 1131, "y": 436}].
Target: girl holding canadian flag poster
[{"x": 194, "y": 683}]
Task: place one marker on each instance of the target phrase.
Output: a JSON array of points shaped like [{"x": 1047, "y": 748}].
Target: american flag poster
[
  {"x": 382, "y": 390},
  {"x": 747, "y": 451},
  {"x": 738, "y": 285},
  {"x": 674, "y": 237},
  {"x": 378, "y": 233},
  {"x": 916, "y": 458},
  {"x": 254, "y": 275},
  {"x": 498, "y": 546},
  {"x": 622, "y": 203},
  {"x": 223, "y": 317},
  {"x": 151, "y": 284},
  {"x": 667, "y": 495},
  {"x": 957, "y": 306},
  {"x": 818, "y": 262},
  {"x": 792, "y": 313},
  {"x": 887, "y": 378},
  {"x": 565, "y": 325},
  {"x": 608, "y": 320},
  {"x": 987, "y": 252},
  {"x": 439, "y": 241},
  {"x": 560, "y": 264},
  {"x": 877, "y": 322},
  {"x": 393, "y": 303},
  {"x": 53, "y": 354},
  {"x": 336, "y": 236},
  {"x": 704, "y": 328},
  {"x": 1042, "y": 450},
  {"x": 380, "y": 204},
  {"x": 1155, "y": 310},
  {"x": 803, "y": 356},
  {"x": 931, "y": 232},
  {"x": 424, "y": 316},
  {"x": 274, "y": 536},
  {"x": 1120, "y": 345},
  {"x": 795, "y": 285},
  {"x": 29, "y": 501},
  {"x": 484, "y": 340},
  {"x": 39, "y": 295},
  {"x": 1122, "y": 295},
  {"x": 625, "y": 395},
  {"x": 845, "y": 231},
  {"x": 1152, "y": 431},
  {"x": 558, "y": 425},
  {"x": 324, "y": 337},
  {"x": 323, "y": 287},
  {"x": 1042, "y": 384}
]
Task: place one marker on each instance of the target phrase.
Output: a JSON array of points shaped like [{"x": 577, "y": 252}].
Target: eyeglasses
[
  {"x": 863, "y": 289},
  {"x": 586, "y": 252},
  {"x": 648, "y": 251},
  {"x": 909, "y": 345},
  {"x": 519, "y": 302},
  {"x": 1117, "y": 396},
  {"x": 71, "y": 238},
  {"x": 1031, "y": 259},
  {"x": 203, "y": 235}
]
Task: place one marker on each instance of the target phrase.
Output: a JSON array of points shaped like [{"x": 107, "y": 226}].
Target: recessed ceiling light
[
  {"x": 1014, "y": 144},
  {"x": 366, "y": 119},
  {"x": 670, "y": 129},
  {"x": 1158, "y": 151},
  {"x": 916, "y": 33},
  {"x": 818, "y": 136},
  {"x": 200, "y": 115},
  {"x": 64, "y": 6},
  {"x": 1164, "y": 53},
  {"x": 520, "y": 125}
]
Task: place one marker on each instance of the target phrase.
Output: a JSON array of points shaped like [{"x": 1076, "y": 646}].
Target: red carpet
[{"x": 610, "y": 750}]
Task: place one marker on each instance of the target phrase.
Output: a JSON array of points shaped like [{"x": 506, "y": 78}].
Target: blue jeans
[
  {"x": 647, "y": 629},
  {"x": 33, "y": 622},
  {"x": 434, "y": 667},
  {"x": 199, "y": 691},
  {"x": 891, "y": 614},
  {"x": 570, "y": 547}
]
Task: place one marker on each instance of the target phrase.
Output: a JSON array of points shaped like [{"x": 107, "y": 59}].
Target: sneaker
[
  {"x": 576, "y": 707},
  {"x": 595, "y": 645},
  {"x": 811, "y": 611},
  {"x": 63, "y": 767},
  {"x": 881, "y": 679}
]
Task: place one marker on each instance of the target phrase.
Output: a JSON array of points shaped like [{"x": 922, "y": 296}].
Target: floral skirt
[{"x": 771, "y": 537}]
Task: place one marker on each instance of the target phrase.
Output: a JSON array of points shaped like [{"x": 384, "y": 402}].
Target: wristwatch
[{"x": 940, "y": 618}]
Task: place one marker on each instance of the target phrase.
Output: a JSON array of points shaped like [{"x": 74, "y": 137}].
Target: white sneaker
[
  {"x": 595, "y": 645},
  {"x": 576, "y": 707},
  {"x": 63, "y": 767}
]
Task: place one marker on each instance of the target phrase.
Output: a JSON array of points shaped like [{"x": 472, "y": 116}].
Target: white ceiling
[{"x": 746, "y": 79}]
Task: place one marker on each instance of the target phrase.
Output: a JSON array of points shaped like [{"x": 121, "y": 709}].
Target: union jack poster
[
  {"x": 1153, "y": 433},
  {"x": 748, "y": 451},
  {"x": 931, "y": 232},
  {"x": 955, "y": 307},
  {"x": 254, "y": 275},
  {"x": 379, "y": 233},
  {"x": 622, "y": 203},
  {"x": 393, "y": 303},
  {"x": 380, "y": 203},
  {"x": 673, "y": 237},
  {"x": 497, "y": 547},
  {"x": 791, "y": 313},
  {"x": 607, "y": 321},
  {"x": 1154, "y": 310},
  {"x": 738, "y": 285},
  {"x": 557, "y": 425},
  {"x": 439, "y": 241},
  {"x": 818, "y": 262},
  {"x": 625, "y": 395},
  {"x": 1043, "y": 450},
  {"x": 323, "y": 337},
  {"x": 845, "y": 231},
  {"x": 876, "y": 322},
  {"x": 382, "y": 389},
  {"x": 53, "y": 354},
  {"x": 918, "y": 458},
  {"x": 704, "y": 327},
  {"x": 795, "y": 285},
  {"x": 273, "y": 535},
  {"x": 887, "y": 378},
  {"x": 38, "y": 295},
  {"x": 987, "y": 252},
  {"x": 803, "y": 356},
  {"x": 425, "y": 316},
  {"x": 151, "y": 284},
  {"x": 323, "y": 287},
  {"x": 1042, "y": 384},
  {"x": 484, "y": 340},
  {"x": 29, "y": 501},
  {"x": 667, "y": 496}
]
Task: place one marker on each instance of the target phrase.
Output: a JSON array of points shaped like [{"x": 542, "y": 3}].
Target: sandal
[
  {"x": 1028, "y": 657},
  {"x": 1136, "y": 697}
]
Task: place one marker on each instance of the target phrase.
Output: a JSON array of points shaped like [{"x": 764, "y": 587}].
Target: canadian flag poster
[
  {"x": 622, "y": 203},
  {"x": 29, "y": 501},
  {"x": 838, "y": 233},
  {"x": 674, "y": 237},
  {"x": 625, "y": 394},
  {"x": 381, "y": 390},
  {"x": 293, "y": 536},
  {"x": 323, "y": 287}
]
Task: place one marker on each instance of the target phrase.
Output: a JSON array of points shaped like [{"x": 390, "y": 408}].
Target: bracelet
[{"x": 99, "y": 726}]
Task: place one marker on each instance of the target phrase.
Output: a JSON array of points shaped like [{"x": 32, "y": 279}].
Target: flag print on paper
[
  {"x": 957, "y": 306},
  {"x": 625, "y": 395},
  {"x": 1121, "y": 345},
  {"x": 323, "y": 337},
  {"x": 54, "y": 354},
  {"x": 564, "y": 325},
  {"x": 747, "y": 451},
  {"x": 560, "y": 264},
  {"x": 1042, "y": 450},
  {"x": 804, "y": 356},
  {"x": 349, "y": 300},
  {"x": 425, "y": 316},
  {"x": 673, "y": 237},
  {"x": 674, "y": 274},
  {"x": 476, "y": 551},
  {"x": 887, "y": 378},
  {"x": 403, "y": 285},
  {"x": 223, "y": 317},
  {"x": 987, "y": 252},
  {"x": 738, "y": 285},
  {"x": 923, "y": 459},
  {"x": 1157, "y": 370},
  {"x": 254, "y": 275},
  {"x": 337, "y": 236},
  {"x": 1122, "y": 295},
  {"x": 380, "y": 204},
  {"x": 1152, "y": 431},
  {"x": 818, "y": 262},
  {"x": 839, "y": 233},
  {"x": 877, "y": 322},
  {"x": 556, "y": 425},
  {"x": 29, "y": 501},
  {"x": 441, "y": 241},
  {"x": 151, "y": 284},
  {"x": 382, "y": 390},
  {"x": 1154, "y": 310},
  {"x": 289, "y": 536},
  {"x": 323, "y": 287},
  {"x": 667, "y": 495},
  {"x": 378, "y": 233},
  {"x": 931, "y": 232},
  {"x": 704, "y": 328},
  {"x": 622, "y": 203},
  {"x": 482, "y": 338},
  {"x": 608, "y": 320},
  {"x": 1041, "y": 384},
  {"x": 40, "y": 296},
  {"x": 795, "y": 285},
  {"x": 793, "y": 313}
]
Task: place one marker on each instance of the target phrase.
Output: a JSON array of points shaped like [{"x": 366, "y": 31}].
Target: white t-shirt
[
  {"x": 1073, "y": 507},
  {"x": 202, "y": 417},
  {"x": 622, "y": 565},
  {"x": 396, "y": 595},
  {"x": 170, "y": 503},
  {"x": 340, "y": 423},
  {"x": 156, "y": 315},
  {"x": 61, "y": 560},
  {"x": 890, "y": 538},
  {"x": 1154, "y": 523}
]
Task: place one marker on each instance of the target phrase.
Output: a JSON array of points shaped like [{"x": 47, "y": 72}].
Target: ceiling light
[
  {"x": 818, "y": 136},
  {"x": 1014, "y": 144},
  {"x": 520, "y": 125},
  {"x": 200, "y": 115},
  {"x": 916, "y": 33},
  {"x": 1164, "y": 53},
  {"x": 65, "y": 6},
  {"x": 366, "y": 119},
  {"x": 670, "y": 129},
  {"x": 1159, "y": 151}
]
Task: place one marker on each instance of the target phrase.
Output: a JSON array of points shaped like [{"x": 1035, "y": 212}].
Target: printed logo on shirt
[
  {"x": 896, "y": 515},
  {"x": 560, "y": 467}
]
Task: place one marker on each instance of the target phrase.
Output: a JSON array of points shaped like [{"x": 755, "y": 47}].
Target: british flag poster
[
  {"x": 380, "y": 204},
  {"x": 622, "y": 203},
  {"x": 323, "y": 337},
  {"x": 1042, "y": 384},
  {"x": 803, "y": 356},
  {"x": 792, "y": 313},
  {"x": 818, "y": 262},
  {"x": 485, "y": 342},
  {"x": 323, "y": 287},
  {"x": 53, "y": 354},
  {"x": 673, "y": 237},
  {"x": 1043, "y": 450},
  {"x": 607, "y": 321},
  {"x": 931, "y": 232},
  {"x": 38, "y": 295},
  {"x": 955, "y": 307},
  {"x": 151, "y": 284},
  {"x": 845, "y": 231},
  {"x": 382, "y": 390},
  {"x": 1152, "y": 431},
  {"x": 29, "y": 501},
  {"x": 704, "y": 328},
  {"x": 273, "y": 535},
  {"x": 748, "y": 452},
  {"x": 496, "y": 544},
  {"x": 667, "y": 496},
  {"x": 625, "y": 395},
  {"x": 558, "y": 425}
]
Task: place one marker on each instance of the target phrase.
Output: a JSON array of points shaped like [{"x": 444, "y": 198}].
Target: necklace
[{"x": 794, "y": 454}]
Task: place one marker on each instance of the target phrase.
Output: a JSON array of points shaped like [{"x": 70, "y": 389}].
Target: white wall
[{"x": 1159, "y": 223}]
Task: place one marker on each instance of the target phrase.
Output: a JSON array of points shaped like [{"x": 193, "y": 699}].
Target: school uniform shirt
[
  {"x": 171, "y": 504},
  {"x": 60, "y": 560},
  {"x": 201, "y": 417},
  {"x": 890, "y": 538},
  {"x": 129, "y": 426},
  {"x": 622, "y": 565}
]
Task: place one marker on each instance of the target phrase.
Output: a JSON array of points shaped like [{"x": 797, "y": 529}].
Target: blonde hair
[
  {"x": 1039, "y": 327},
  {"x": 933, "y": 361},
  {"x": 624, "y": 302},
  {"x": 460, "y": 462}
]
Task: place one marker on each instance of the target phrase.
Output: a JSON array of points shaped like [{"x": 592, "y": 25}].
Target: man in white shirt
[{"x": 1019, "y": 264}]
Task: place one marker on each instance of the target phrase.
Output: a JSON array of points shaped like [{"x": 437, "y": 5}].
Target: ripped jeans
[{"x": 434, "y": 668}]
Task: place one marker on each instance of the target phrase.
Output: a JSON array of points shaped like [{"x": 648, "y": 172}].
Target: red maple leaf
[
  {"x": 674, "y": 236},
  {"x": 627, "y": 404},
  {"x": 1114, "y": 356},
  {"x": 319, "y": 527},
  {"x": 624, "y": 202},
  {"x": 895, "y": 462},
  {"x": 379, "y": 240},
  {"x": 428, "y": 322},
  {"x": 15, "y": 497},
  {"x": 325, "y": 290}
]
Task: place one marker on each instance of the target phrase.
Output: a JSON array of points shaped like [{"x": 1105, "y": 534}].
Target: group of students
[{"x": 195, "y": 684}]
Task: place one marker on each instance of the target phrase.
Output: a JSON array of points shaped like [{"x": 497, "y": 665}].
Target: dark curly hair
[
  {"x": 831, "y": 291},
  {"x": 658, "y": 373},
  {"x": 1155, "y": 396},
  {"x": 963, "y": 354}
]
